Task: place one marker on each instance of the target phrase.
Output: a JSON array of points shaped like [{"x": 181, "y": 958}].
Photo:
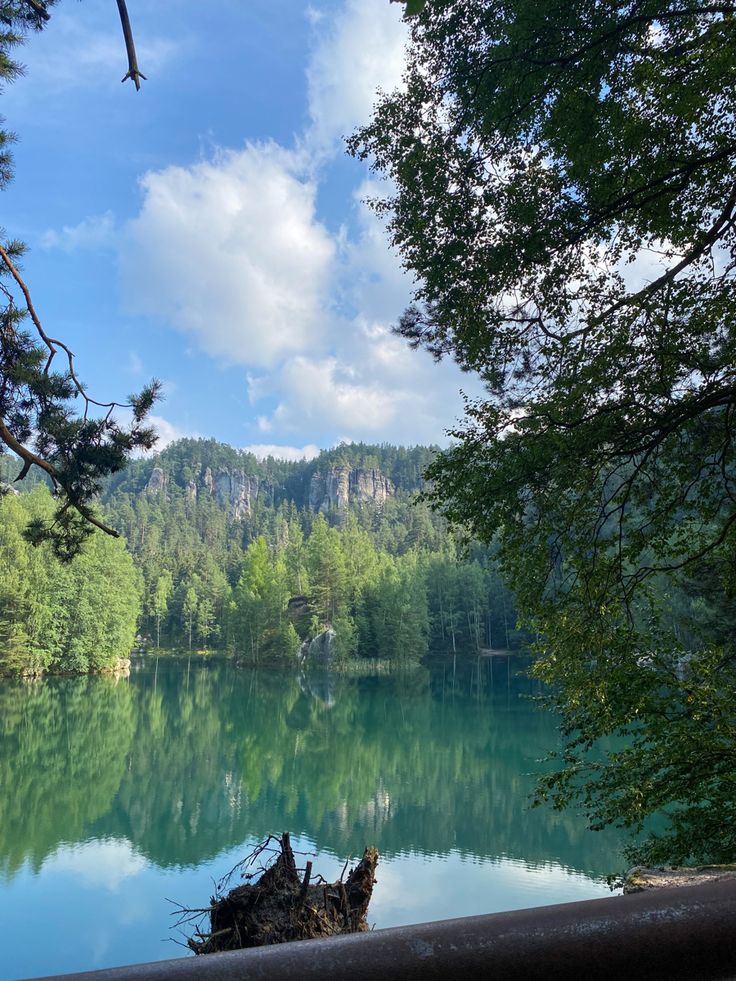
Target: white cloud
[
  {"x": 95, "y": 232},
  {"x": 230, "y": 251},
  {"x": 264, "y": 450},
  {"x": 135, "y": 365},
  {"x": 106, "y": 863},
  {"x": 378, "y": 285},
  {"x": 71, "y": 53},
  {"x": 330, "y": 391},
  {"x": 167, "y": 432},
  {"x": 373, "y": 388},
  {"x": 361, "y": 51}
]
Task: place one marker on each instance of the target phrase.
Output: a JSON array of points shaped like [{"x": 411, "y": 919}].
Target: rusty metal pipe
[{"x": 688, "y": 932}]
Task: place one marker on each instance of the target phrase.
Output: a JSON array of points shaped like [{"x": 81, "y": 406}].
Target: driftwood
[{"x": 283, "y": 905}]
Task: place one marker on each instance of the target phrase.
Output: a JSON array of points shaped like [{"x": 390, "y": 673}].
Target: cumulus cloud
[
  {"x": 373, "y": 388},
  {"x": 231, "y": 252},
  {"x": 262, "y": 451},
  {"x": 361, "y": 51},
  {"x": 376, "y": 282},
  {"x": 167, "y": 432},
  {"x": 95, "y": 232}
]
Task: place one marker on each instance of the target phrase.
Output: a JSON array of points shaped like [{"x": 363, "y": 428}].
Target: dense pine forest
[{"x": 334, "y": 559}]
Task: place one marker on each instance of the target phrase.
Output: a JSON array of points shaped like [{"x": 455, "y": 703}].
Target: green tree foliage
[
  {"x": 159, "y": 601},
  {"x": 565, "y": 193},
  {"x": 247, "y": 568},
  {"x": 371, "y": 571},
  {"x": 259, "y": 622},
  {"x": 47, "y": 418},
  {"x": 189, "y": 611},
  {"x": 62, "y": 617}
]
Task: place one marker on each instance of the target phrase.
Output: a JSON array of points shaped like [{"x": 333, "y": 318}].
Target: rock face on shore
[
  {"x": 319, "y": 649},
  {"x": 339, "y": 487},
  {"x": 156, "y": 482}
]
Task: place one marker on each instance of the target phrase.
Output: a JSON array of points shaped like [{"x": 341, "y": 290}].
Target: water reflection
[
  {"x": 189, "y": 758},
  {"x": 63, "y": 754}
]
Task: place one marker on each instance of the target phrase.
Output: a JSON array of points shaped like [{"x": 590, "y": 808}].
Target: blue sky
[{"x": 210, "y": 230}]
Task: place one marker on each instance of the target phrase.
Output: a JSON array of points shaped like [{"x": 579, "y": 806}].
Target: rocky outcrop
[
  {"x": 330, "y": 490},
  {"x": 318, "y": 650},
  {"x": 156, "y": 482},
  {"x": 370, "y": 485},
  {"x": 238, "y": 492},
  {"x": 340, "y": 487}
]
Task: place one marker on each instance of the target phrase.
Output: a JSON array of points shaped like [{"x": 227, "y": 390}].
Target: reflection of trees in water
[
  {"x": 63, "y": 747},
  {"x": 421, "y": 762}
]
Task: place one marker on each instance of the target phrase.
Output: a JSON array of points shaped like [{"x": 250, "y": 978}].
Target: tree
[
  {"x": 206, "y": 626},
  {"x": 159, "y": 601},
  {"x": 565, "y": 194},
  {"x": 189, "y": 611},
  {"x": 66, "y": 617},
  {"x": 39, "y": 418}
]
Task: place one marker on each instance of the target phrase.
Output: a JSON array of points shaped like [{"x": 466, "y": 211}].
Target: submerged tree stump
[{"x": 282, "y": 905}]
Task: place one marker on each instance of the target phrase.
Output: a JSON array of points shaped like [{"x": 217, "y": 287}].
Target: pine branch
[{"x": 39, "y": 8}]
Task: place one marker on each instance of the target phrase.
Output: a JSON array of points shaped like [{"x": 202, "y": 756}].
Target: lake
[{"x": 119, "y": 797}]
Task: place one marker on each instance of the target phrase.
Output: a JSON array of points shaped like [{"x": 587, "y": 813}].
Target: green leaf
[{"x": 414, "y": 7}]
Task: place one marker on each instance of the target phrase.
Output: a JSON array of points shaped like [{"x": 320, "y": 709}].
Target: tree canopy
[
  {"x": 564, "y": 189},
  {"x": 47, "y": 418}
]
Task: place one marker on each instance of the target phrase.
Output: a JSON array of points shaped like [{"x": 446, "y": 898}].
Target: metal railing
[{"x": 688, "y": 932}]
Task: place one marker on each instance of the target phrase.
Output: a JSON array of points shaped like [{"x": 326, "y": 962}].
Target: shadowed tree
[{"x": 564, "y": 189}]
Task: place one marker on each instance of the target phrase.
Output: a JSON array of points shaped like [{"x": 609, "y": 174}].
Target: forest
[
  {"x": 386, "y": 575},
  {"x": 559, "y": 181},
  {"x": 57, "y": 617}
]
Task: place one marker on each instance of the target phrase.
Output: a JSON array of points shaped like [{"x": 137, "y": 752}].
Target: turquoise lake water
[{"x": 121, "y": 797}]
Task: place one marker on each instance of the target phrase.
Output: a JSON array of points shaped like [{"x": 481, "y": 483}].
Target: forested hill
[
  {"x": 224, "y": 541},
  {"x": 352, "y": 473},
  {"x": 201, "y": 492},
  {"x": 223, "y": 544}
]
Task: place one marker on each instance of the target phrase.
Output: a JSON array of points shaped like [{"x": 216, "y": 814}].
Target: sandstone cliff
[
  {"x": 341, "y": 486},
  {"x": 236, "y": 490}
]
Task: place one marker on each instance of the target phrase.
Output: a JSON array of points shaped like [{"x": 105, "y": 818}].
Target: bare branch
[
  {"x": 133, "y": 72},
  {"x": 52, "y": 343},
  {"x": 29, "y": 458}
]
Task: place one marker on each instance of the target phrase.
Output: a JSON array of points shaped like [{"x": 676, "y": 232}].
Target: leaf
[{"x": 414, "y": 7}]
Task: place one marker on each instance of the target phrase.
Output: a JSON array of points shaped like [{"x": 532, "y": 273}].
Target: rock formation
[
  {"x": 156, "y": 482},
  {"x": 319, "y": 649},
  {"x": 238, "y": 491},
  {"x": 341, "y": 486}
]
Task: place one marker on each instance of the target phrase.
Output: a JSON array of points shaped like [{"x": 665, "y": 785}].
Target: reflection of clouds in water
[
  {"x": 413, "y": 888},
  {"x": 104, "y": 863}
]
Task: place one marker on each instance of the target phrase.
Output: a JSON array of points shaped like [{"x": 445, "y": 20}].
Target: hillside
[{"x": 258, "y": 557}]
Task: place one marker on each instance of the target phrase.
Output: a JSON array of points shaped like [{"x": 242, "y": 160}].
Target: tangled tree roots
[{"x": 282, "y": 906}]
